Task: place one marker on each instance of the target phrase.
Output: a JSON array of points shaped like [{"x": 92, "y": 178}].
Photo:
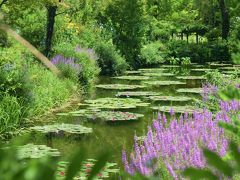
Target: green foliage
[
  {"x": 151, "y": 54},
  {"x": 109, "y": 59},
  {"x": 203, "y": 52},
  {"x": 128, "y": 23},
  {"x": 11, "y": 112},
  {"x": 86, "y": 61}
]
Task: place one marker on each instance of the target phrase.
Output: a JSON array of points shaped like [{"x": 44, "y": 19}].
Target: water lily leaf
[
  {"x": 32, "y": 151},
  {"x": 145, "y": 70},
  {"x": 137, "y": 93},
  {"x": 132, "y": 72},
  {"x": 158, "y": 74},
  {"x": 133, "y": 78},
  {"x": 171, "y": 66},
  {"x": 62, "y": 128},
  {"x": 178, "y": 109},
  {"x": 116, "y": 103},
  {"x": 107, "y": 170},
  {"x": 164, "y": 83},
  {"x": 202, "y": 69},
  {"x": 191, "y": 77},
  {"x": 170, "y": 98},
  {"x": 119, "y": 86},
  {"x": 190, "y": 90}
]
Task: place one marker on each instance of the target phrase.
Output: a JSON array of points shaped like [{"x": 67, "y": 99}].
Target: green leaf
[
  {"x": 196, "y": 174},
  {"x": 75, "y": 164},
  {"x": 215, "y": 160},
  {"x": 235, "y": 153},
  {"x": 101, "y": 162}
]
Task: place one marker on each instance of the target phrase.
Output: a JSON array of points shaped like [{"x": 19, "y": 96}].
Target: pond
[{"x": 146, "y": 90}]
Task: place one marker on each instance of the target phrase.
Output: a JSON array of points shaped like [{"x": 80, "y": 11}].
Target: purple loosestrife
[
  {"x": 179, "y": 142},
  {"x": 209, "y": 90},
  {"x": 60, "y": 60},
  {"x": 90, "y": 52}
]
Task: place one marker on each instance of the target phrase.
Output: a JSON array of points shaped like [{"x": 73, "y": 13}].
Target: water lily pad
[
  {"x": 231, "y": 72},
  {"x": 164, "y": 83},
  {"x": 220, "y": 64},
  {"x": 202, "y": 69},
  {"x": 230, "y": 68},
  {"x": 152, "y": 70},
  {"x": 133, "y": 78},
  {"x": 31, "y": 151},
  {"x": 171, "y": 66},
  {"x": 132, "y": 72},
  {"x": 86, "y": 168},
  {"x": 137, "y": 93},
  {"x": 116, "y": 103},
  {"x": 62, "y": 128},
  {"x": 170, "y": 98},
  {"x": 158, "y": 74},
  {"x": 106, "y": 115},
  {"x": 119, "y": 86},
  {"x": 115, "y": 116},
  {"x": 178, "y": 109},
  {"x": 190, "y": 90},
  {"x": 191, "y": 77}
]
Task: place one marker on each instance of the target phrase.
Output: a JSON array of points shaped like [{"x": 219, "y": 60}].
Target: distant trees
[{"x": 128, "y": 26}]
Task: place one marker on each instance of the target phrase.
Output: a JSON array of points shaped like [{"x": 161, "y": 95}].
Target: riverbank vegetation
[{"x": 173, "y": 61}]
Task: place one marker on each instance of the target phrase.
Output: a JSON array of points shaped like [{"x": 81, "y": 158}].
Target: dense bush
[
  {"x": 152, "y": 54},
  {"x": 109, "y": 59},
  {"x": 85, "y": 58},
  {"x": 212, "y": 51}
]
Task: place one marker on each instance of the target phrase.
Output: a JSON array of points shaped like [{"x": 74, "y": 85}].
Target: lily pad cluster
[
  {"x": 119, "y": 86},
  {"x": 32, "y": 151},
  {"x": 164, "y": 83},
  {"x": 170, "y": 98},
  {"x": 133, "y": 78},
  {"x": 178, "y": 109},
  {"x": 137, "y": 93},
  {"x": 158, "y": 74},
  {"x": 62, "y": 128},
  {"x": 85, "y": 170},
  {"x": 106, "y": 115},
  {"x": 191, "y": 77},
  {"x": 152, "y": 70},
  {"x": 116, "y": 103},
  {"x": 190, "y": 90}
]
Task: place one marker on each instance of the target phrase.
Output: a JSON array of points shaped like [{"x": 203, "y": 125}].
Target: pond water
[{"x": 114, "y": 135}]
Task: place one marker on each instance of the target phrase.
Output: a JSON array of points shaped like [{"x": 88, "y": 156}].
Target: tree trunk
[
  {"x": 51, "y": 14},
  {"x": 187, "y": 35},
  {"x": 225, "y": 19},
  {"x": 181, "y": 35},
  {"x": 196, "y": 37}
]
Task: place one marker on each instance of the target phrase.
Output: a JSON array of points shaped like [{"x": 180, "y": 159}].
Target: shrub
[
  {"x": 69, "y": 68},
  {"x": 211, "y": 51},
  {"x": 84, "y": 58},
  {"x": 152, "y": 54},
  {"x": 109, "y": 59}
]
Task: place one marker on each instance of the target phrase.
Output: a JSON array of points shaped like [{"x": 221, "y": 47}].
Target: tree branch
[
  {"x": 29, "y": 46},
  {"x": 3, "y": 2}
]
